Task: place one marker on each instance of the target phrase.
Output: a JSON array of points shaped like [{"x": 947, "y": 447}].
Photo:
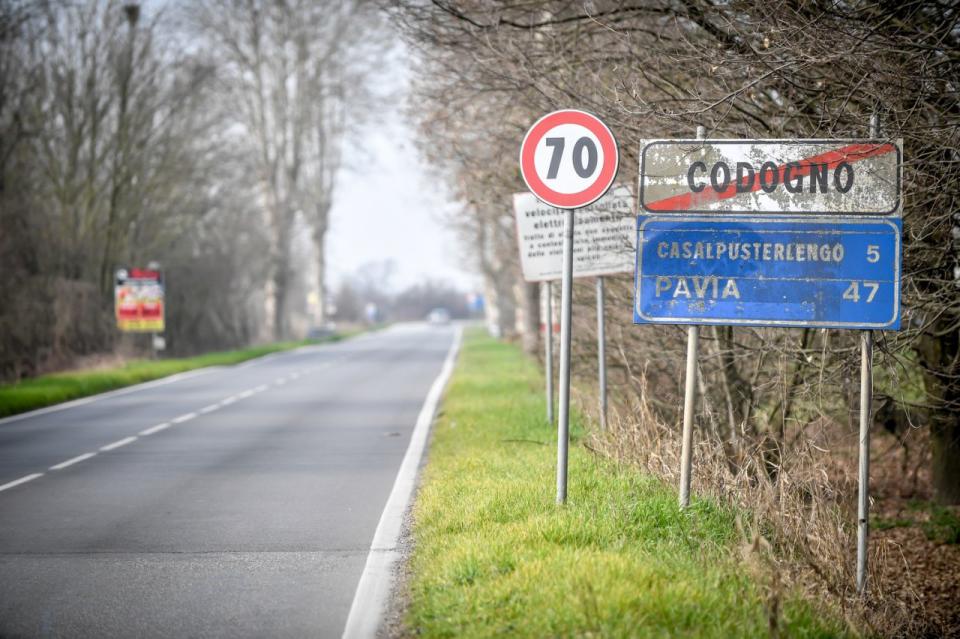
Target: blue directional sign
[{"x": 825, "y": 272}]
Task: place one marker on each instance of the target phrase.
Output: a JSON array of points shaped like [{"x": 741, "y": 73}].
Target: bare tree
[
  {"x": 112, "y": 149},
  {"x": 744, "y": 69},
  {"x": 293, "y": 70}
]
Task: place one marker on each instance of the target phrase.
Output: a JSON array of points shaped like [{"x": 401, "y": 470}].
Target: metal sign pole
[
  {"x": 566, "y": 295},
  {"x": 689, "y": 398},
  {"x": 601, "y": 355},
  {"x": 863, "y": 505},
  {"x": 689, "y": 405},
  {"x": 549, "y": 347},
  {"x": 866, "y": 404}
]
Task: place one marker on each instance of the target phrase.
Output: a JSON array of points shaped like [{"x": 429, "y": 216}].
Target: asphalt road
[{"x": 250, "y": 515}]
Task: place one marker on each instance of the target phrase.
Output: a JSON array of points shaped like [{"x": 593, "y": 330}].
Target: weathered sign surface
[
  {"x": 770, "y": 271},
  {"x": 771, "y": 176},
  {"x": 604, "y": 240},
  {"x": 138, "y": 300}
]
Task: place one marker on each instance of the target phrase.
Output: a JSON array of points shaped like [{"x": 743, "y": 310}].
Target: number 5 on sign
[{"x": 569, "y": 159}]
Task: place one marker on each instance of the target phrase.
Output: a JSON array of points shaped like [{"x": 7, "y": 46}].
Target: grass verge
[
  {"x": 56, "y": 388},
  {"x": 493, "y": 555}
]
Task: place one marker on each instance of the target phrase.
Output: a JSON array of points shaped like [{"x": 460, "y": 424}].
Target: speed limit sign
[{"x": 569, "y": 159}]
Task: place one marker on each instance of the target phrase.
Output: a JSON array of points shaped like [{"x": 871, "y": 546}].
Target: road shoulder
[{"x": 493, "y": 555}]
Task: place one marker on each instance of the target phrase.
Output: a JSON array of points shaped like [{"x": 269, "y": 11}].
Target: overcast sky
[{"x": 387, "y": 207}]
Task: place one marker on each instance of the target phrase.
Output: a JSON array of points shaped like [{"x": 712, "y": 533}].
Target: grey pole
[
  {"x": 866, "y": 404},
  {"x": 549, "y": 347},
  {"x": 601, "y": 355},
  {"x": 689, "y": 404},
  {"x": 566, "y": 295},
  {"x": 689, "y": 398},
  {"x": 863, "y": 503}
]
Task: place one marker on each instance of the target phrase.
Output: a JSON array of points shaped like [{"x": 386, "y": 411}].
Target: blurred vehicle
[
  {"x": 323, "y": 330},
  {"x": 439, "y": 316}
]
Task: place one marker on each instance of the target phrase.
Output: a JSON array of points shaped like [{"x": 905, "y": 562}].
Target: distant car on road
[
  {"x": 439, "y": 316},
  {"x": 324, "y": 330}
]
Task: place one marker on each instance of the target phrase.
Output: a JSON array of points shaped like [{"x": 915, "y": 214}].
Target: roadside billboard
[{"x": 138, "y": 300}]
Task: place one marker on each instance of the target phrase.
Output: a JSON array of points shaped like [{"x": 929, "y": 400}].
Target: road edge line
[{"x": 376, "y": 581}]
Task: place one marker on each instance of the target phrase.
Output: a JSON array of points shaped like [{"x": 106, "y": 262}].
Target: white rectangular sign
[
  {"x": 604, "y": 240},
  {"x": 848, "y": 177}
]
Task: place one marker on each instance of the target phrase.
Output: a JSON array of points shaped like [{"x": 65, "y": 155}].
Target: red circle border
[{"x": 607, "y": 173}]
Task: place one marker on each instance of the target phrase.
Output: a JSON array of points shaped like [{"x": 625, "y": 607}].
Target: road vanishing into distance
[{"x": 228, "y": 502}]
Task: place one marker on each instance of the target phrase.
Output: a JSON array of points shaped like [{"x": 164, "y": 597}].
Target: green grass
[
  {"x": 939, "y": 523},
  {"x": 52, "y": 389},
  {"x": 493, "y": 555},
  {"x": 943, "y": 526}
]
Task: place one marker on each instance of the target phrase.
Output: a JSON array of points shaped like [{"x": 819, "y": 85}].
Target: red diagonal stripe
[{"x": 697, "y": 201}]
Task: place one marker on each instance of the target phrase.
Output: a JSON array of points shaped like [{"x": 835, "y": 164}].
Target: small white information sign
[{"x": 605, "y": 238}]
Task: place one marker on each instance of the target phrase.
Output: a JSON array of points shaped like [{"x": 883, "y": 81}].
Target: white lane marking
[
  {"x": 181, "y": 376},
  {"x": 71, "y": 462},
  {"x": 118, "y": 443},
  {"x": 22, "y": 480},
  {"x": 266, "y": 358},
  {"x": 376, "y": 582},
  {"x": 165, "y": 425},
  {"x": 120, "y": 391},
  {"x": 155, "y": 429}
]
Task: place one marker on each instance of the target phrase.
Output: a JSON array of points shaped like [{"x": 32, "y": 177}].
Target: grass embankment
[
  {"x": 56, "y": 388},
  {"x": 493, "y": 555}
]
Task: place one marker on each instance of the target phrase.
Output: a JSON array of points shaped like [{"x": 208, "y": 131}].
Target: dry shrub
[{"x": 798, "y": 530}]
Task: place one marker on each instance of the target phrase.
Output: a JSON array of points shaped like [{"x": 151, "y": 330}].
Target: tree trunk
[
  {"x": 738, "y": 393},
  {"x": 945, "y": 444},
  {"x": 528, "y": 315},
  {"x": 281, "y": 280},
  {"x": 939, "y": 355},
  {"x": 319, "y": 242},
  {"x": 321, "y": 291}
]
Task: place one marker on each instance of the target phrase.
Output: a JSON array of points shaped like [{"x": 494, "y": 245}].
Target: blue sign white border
[{"x": 838, "y": 220}]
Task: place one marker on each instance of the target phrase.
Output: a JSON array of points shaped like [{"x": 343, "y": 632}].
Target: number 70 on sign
[{"x": 569, "y": 159}]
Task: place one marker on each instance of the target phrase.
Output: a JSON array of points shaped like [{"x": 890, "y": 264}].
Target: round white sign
[{"x": 569, "y": 159}]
